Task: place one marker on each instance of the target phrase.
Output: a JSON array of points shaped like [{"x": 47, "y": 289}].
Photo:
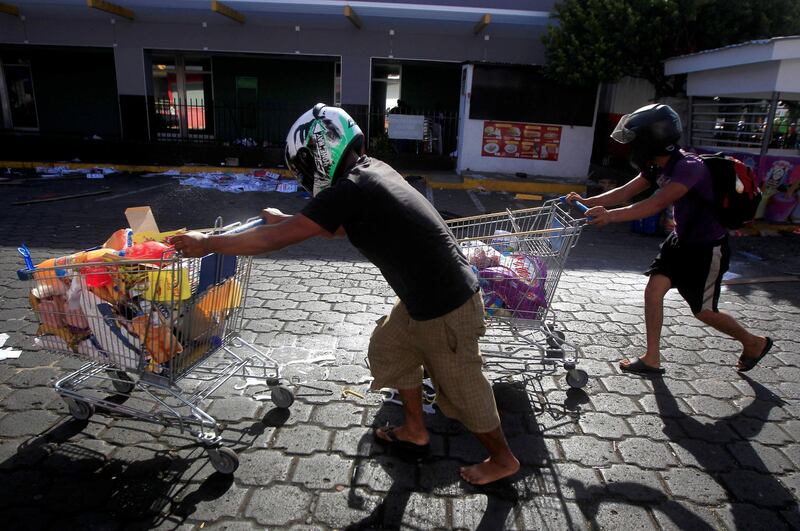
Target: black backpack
[{"x": 736, "y": 193}]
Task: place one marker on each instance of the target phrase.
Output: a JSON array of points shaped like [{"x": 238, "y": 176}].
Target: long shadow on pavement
[
  {"x": 452, "y": 447},
  {"x": 742, "y": 488},
  {"x": 59, "y": 479},
  {"x": 760, "y": 488}
]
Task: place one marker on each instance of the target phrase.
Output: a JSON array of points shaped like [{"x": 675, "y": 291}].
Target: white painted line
[
  {"x": 429, "y": 193},
  {"x": 476, "y": 201},
  {"x": 109, "y": 197}
]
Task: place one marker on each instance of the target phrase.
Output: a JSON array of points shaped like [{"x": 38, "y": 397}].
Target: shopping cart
[
  {"x": 167, "y": 328},
  {"x": 519, "y": 257}
]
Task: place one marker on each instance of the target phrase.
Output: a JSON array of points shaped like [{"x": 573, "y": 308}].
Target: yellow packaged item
[{"x": 168, "y": 285}]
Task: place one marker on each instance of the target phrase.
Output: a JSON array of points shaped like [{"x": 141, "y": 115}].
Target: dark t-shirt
[
  {"x": 694, "y": 212},
  {"x": 399, "y": 231}
]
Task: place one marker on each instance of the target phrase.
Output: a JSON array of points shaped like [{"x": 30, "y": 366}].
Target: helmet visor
[{"x": 621, "y": 133}]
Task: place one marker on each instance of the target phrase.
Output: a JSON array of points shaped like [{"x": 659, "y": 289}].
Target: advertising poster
[{"x": 521, "y": 140}]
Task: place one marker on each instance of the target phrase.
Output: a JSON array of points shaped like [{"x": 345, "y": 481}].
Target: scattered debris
[
  {"x": 7, "y": 353},
  {"x": 347, "y": 391}
]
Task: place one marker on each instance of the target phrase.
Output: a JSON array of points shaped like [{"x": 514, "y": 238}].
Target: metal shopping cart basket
[
  {"x": 519, "y": 257},
  {"x": 167, "y": 328}
]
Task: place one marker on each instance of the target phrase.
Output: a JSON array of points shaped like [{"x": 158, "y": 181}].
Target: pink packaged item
[{"x": 525, "y": 299}]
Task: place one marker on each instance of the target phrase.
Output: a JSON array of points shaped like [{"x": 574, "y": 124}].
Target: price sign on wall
[
  {"x": 521, "y": 140},
  {"x": 406, "y": 126}
]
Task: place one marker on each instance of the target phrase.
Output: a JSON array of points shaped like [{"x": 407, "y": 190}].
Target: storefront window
[
  {"x": 20, "y": 103},
  {"x": 182, "y": 93}
]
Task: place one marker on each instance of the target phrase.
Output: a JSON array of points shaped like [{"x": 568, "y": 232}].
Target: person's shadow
[
  {"x": 748, "y": 422},
  {"x": 711, "y": 458},
  {"x": 452, "y": 447}
]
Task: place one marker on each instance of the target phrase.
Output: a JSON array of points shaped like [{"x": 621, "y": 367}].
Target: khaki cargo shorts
[{"x": 447, "y": 347}]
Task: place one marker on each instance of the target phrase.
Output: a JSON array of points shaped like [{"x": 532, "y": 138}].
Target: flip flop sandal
[
  {"x": 640, "y": 367},
  {"x": 749, "y": 362},
  {"x": 404, "y": 446}
]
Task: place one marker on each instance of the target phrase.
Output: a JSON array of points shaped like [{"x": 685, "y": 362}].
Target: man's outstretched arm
[{"x": 258, "y": 240}]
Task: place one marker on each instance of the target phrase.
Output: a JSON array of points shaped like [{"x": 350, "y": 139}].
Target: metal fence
[
  {"x": 258, "y": 125},
  {"x": 248, "y": 125}
]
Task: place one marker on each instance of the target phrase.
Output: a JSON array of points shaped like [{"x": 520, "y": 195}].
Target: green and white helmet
[{"x": 317, "y": 144}]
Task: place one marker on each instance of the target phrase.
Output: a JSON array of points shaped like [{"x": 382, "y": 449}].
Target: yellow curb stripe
[{"x": 509, "y": 186}]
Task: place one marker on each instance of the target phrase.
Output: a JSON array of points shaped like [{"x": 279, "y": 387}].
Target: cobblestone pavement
[{"x": 701, "y": 448}]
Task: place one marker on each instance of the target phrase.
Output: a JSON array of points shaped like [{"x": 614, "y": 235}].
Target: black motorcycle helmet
[{"x": 650, "y": 131}]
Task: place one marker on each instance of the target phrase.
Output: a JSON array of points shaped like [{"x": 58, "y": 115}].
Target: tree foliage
[{"x": 605, "y": 40}]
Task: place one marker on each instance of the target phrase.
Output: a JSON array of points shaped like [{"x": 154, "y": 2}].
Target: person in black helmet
[
  {"x": 438, "y": 318},
  {"x": 695, "y": 255}
]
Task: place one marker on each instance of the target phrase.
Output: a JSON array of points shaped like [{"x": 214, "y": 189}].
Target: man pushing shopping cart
[{"x": 438, "y": 318}]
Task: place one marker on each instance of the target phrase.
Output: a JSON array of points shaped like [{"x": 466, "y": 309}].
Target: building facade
[{"x": 239, "y": 72}]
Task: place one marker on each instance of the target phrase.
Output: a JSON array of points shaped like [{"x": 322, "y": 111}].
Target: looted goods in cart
[
  {"x": 518, "y": 257},
  {"x": 144, "y": 318}
]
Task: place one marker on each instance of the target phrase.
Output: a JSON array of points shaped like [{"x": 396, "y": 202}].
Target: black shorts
[{"x": 696, "y": 270}]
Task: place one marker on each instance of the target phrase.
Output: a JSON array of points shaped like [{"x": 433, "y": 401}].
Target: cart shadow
[
  {"x": 452, "y": 447},
  {"x": 62, "y": 479}
]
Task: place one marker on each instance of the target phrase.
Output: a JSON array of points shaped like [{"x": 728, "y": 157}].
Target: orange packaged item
[
  {"x": 121, "y": 239},
  {"x": 159, "y": 340}
]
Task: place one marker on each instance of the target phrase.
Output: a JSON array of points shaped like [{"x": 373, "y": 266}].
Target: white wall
[{"x": 573, "y": 158}]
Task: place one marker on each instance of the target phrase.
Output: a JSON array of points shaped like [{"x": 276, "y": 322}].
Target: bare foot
[
  {"x": 652, "y": 363},
  {"x": 403, "y": 433},
  {"x": 489, "y": 471}
]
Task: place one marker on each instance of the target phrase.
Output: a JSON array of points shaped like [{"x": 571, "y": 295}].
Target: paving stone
[
  {"x": 711, "y": 407},
  {"x": 588, "y": 451},
  {"x": 216, "y": 498},
  {"x": 655, "y": 427},
  {"x": 646, "y": 453},
  {"x": 613, "y": 404},
  {"x": 424, "y": 511},
  {"x": 618, "y": 515},
  {"x": 349, "y": 507},
  {"x": 760, "y": 458},
  {"x": 694, "y": 485},
  {"x": 754, "y": 487},
  {"x": 750, "y": 517},
  {"x": 278, "y": 505},
  {"x": 671, "y": 407},
  {"x": 673, "y": 515},
  {"x": 29, "y": 398},
  {"x": 322, "y": 471},
  {"x": 26, "y": 423},
  {"x": 234, "y": 408},
  {"x": 354, "y": 442},
  {"x": 603, "y": 425},
  {"x": 763, "y": 432},
  {"x": 706, "y": 429},
  {"x": 633, "y": 483},
  {"x": 260, "y": 467},
  {"x": 302, "y": 439},
  {"x": 482, "y": 512},
  {"x": 338, "y": 415},
  {"x": 572, "y": 482},
  {"x": 704, "y": 455}
]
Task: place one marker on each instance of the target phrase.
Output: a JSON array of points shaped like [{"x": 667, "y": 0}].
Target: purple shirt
[{"x": 694, "y": 215}]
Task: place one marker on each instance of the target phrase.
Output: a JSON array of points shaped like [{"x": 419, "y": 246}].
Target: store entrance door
[{"x": 17, "y": 98}]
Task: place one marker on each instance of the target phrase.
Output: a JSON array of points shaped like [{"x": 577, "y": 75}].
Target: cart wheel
[
  {"x": 79, "y": 409},
  {"x": 224, "y": 460},
  {"x": 555, "y": 342},
  {"x": 282, "y": 397},
  {"x": 577, "y": 378},
  {"x": 122, "y": 382}
]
